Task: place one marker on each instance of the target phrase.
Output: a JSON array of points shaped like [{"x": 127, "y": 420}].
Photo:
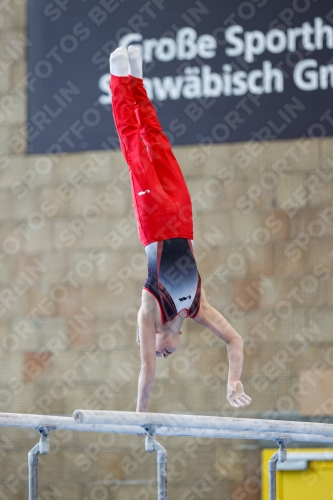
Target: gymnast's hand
[{"x": 236, "y": 395}]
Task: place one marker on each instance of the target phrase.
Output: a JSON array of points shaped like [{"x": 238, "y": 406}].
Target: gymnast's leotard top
[{"x": 173, "y": 278}]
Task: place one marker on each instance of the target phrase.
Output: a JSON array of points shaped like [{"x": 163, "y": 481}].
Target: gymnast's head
[{"x": 167, "y": 342}]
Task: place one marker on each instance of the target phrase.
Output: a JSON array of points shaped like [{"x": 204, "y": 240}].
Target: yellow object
[{"x": 313, "y": 483}]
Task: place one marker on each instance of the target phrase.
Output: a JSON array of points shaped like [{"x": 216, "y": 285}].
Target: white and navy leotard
[{"x": 173, "y": 278}]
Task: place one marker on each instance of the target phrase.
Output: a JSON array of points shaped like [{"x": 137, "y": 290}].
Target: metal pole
[
  {"x": 33, "y": 472},
  {"x": 162, "y": 460},
  {"x": 280, "y": 456},
  {"x": 42, "y": 447},
  {"x": 162, "y": 463},
  {"x": 272, "y": 476}
]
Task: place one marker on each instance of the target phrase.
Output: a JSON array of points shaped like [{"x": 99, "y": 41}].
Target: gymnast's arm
[
  {"x": 147, "y": 335},
  {"x": 216, "y": 323}
]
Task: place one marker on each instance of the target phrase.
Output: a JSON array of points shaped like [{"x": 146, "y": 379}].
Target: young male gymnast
[{"x": 163, "y": 210}]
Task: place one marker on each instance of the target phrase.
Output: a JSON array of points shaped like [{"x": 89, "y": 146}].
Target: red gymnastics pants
[{"x": 161, "y": 200}]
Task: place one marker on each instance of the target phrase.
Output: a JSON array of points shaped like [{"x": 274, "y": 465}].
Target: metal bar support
[
  {"x": 280, "y": 456},
  {"x": 42, "y": 447},
  {"x": 33, "y": 472},
  {"x": 162, "y": 459}
]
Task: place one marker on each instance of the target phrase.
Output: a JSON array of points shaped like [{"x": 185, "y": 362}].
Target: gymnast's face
[{"x": 167, "y": 343}]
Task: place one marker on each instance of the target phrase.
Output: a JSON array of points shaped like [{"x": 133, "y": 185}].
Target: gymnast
[{"x": 163, "y": 210}]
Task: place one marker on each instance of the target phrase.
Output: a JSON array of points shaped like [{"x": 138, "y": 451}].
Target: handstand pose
[{"x": 163, "y": 210}]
